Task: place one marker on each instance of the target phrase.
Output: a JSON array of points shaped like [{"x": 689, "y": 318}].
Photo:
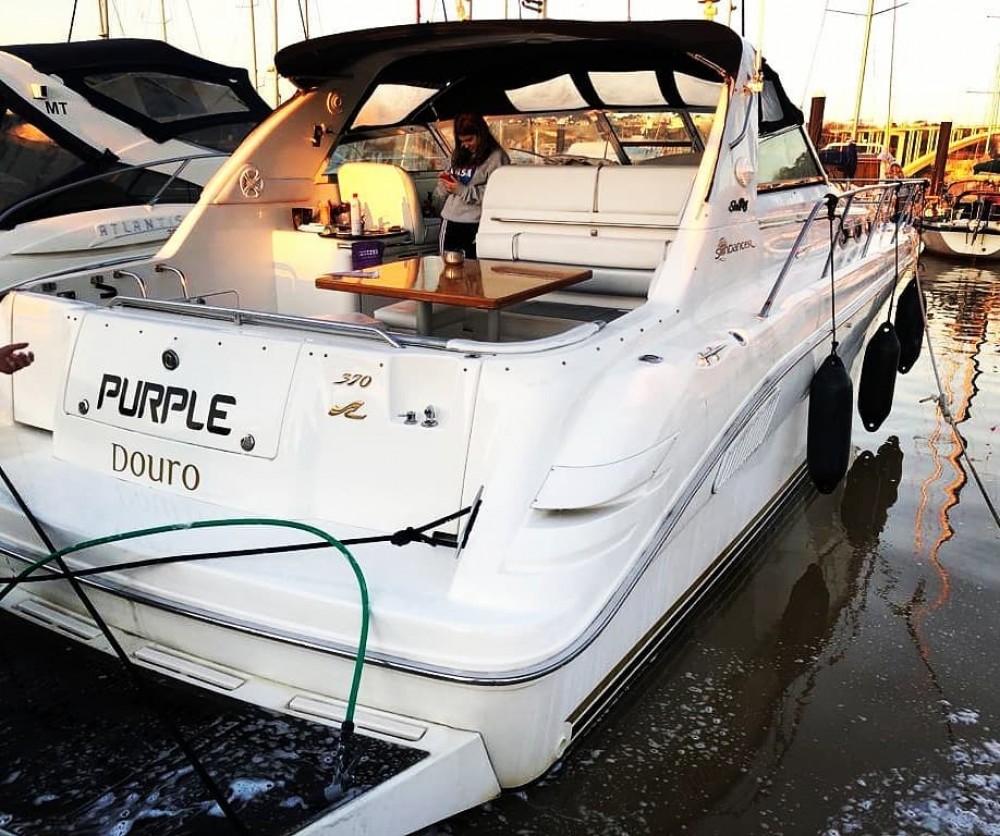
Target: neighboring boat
[
  {"x": 965, "y": 223},
  {"x": 526, "y": 503},
  {"x": 83, "y": 128}
]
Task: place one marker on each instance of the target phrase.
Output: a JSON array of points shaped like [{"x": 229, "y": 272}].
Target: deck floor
[{"x": 81, "y": 753}]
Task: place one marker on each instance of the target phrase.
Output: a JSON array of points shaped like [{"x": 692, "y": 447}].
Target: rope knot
[{"x": 405, "y": 536}]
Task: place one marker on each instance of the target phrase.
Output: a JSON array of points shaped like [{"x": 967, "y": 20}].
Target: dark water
[
  {"x": 83, "y": 752},
  {"x": 849, "y": 681}
]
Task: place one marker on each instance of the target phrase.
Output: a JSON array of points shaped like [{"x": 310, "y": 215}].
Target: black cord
[
  {"x": 895, "y": 241},
  {"x": 398, "y": 538},
  {"x": 72, "y": 19},
  {"x": 831, "y": 213},
  {"x": 130, "y": 668}
]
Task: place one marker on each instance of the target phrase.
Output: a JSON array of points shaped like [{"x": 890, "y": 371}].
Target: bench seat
[{"x": 618, "y": 220}]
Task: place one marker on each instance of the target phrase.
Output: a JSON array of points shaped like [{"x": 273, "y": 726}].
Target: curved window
[
  {"x": 164, "y": 97},
  {"x": 225, "y": 138},
  {"x": 784, "y": 159},
  {"x": 412, "y": 150},
  {"x": 30, "y": 161},
  {"x": 116, "y": 188}
]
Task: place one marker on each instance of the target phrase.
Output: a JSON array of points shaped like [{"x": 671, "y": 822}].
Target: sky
[{"x": 944, "y": 54}]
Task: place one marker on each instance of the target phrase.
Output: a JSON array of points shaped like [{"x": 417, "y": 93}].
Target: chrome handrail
[
  {"x": 128, "y": 274},
  {"x": 806, "y": 224},
  {"x": 181, "y": 162},
  {"x": 244, "y": 317},
  {"x": 886, "y": 190},
  {"x": 166, "y": 268}
]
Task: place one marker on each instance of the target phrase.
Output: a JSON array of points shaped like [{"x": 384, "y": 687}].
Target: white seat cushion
[{"x": 617, "y": 217}]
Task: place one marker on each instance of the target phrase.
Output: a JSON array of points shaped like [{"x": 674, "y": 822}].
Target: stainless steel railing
[
  {"x": 897, "y": 202},
  {"x": 180, "y": 162}
]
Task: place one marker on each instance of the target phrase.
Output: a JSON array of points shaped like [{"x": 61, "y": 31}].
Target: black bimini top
[
  {"x": 101, "y": 70},
  {"x": 472, "y": 63},
  {"x": 518, "y": 49}
]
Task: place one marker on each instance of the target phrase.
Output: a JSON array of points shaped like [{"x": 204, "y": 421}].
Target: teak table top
[{"x": 477, "y": 283}]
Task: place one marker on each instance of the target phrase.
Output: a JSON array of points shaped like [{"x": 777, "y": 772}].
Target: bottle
[{"x": 356, "y": 221}]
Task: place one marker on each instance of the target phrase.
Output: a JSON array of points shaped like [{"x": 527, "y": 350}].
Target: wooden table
[{"x": 486, "y": 284}]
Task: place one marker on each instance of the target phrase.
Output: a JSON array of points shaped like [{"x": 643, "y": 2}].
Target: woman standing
[{"x": 477, "y": 155}]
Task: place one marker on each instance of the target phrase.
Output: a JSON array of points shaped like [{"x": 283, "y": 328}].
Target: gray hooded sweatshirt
[{"x": 466, "y": 204}]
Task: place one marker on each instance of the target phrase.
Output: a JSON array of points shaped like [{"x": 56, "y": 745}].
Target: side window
[
  {"x": 30, "y": 161},
  {"x": 783, "y": 159},
  {"x": 411, "y": 150},
  {"x": 647, "y": 137},
  {"x": 165, "y": 97},
  {"x": 114, "y": 188}
]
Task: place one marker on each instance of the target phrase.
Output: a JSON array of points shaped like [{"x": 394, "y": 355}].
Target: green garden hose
[{"x": 162, "y": 529}]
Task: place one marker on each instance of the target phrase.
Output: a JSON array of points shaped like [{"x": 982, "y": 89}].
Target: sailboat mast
[
  {"x": 163, "y": 19},
  {"x": 277, "y": 93},
  {"x": 102, "y": 11},
  {"x": 253, "y": 42},
  {"x": 892, "y": 73},
  {"x": 864, "y": 62},
  {"x": 994, "y": 109}
]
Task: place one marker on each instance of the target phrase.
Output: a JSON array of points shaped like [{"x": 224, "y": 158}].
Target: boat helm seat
[{"x": 387, "y": 194}]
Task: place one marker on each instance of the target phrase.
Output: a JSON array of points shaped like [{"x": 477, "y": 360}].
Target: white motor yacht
[
  {"x": 450, "y": 505},
  {"x": 104, "y": 148}
]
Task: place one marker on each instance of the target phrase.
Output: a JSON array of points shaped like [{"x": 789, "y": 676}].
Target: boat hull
[
  {"x": 526, "y": 716},
  {"x": 956, "y": 242}
]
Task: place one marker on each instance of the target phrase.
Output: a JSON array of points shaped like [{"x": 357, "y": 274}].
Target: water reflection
[
  {"x": 870, "y": 490},
  {"x": 843, "y": 684},
  {"x": 704, "y": 735}
]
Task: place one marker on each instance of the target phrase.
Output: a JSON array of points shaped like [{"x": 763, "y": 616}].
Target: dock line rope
[
  {"x": 398, "y": 538},
  {"x": 942, "y": 404}
]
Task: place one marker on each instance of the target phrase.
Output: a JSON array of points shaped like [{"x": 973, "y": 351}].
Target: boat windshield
[
  {"x": 30, "y": 160},
  {"x": 586, "y": 137},
  {"x": 597, "y": 136},
  {"x": 32, "y": 163},
  {"x": 168, "y": 98}
]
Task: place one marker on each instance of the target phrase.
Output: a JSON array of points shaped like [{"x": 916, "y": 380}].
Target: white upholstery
[
  {"x": 603, "y": 217},
  {"x": 660, "y": 192},
  {"x": 593, "y": 251},
  {"x": 386, "y": 192}
]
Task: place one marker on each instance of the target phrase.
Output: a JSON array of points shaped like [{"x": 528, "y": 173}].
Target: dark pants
[{"x": 459, "y": 236}]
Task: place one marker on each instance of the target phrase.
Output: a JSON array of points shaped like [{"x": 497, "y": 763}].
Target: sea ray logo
[
  {"x": 724, "y": 248},
  {"x": 349, "y": 410}
]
